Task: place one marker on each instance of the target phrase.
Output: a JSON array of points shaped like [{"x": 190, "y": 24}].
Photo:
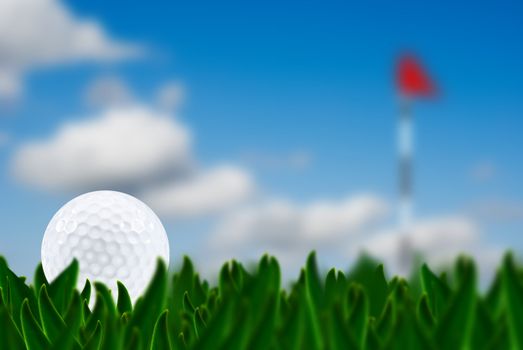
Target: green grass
[{"x": 250, "y": 310}]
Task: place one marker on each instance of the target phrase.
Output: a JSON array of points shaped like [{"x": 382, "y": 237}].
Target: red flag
[{"x": 412, "y": 79}]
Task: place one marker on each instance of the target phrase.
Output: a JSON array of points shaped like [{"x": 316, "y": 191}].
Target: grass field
[{"x": 250, "y": 310}]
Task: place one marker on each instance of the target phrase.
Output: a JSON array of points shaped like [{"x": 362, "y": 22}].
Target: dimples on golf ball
[{"x": 114, "y": 237}]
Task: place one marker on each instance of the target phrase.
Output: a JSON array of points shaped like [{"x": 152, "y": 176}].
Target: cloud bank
[
  {"x": 119, "y": 147},
  {"x": 206, "y": 193},
  {"x": 290, "y": 231},
  {"x": 438, "y": 241},
  {"x": 39, "y": 33},
  {"x": 340, "y": 232},
  {"x": 137, "y": 149}
]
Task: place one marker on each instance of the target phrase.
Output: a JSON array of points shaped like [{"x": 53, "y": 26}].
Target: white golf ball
[{"x": 114, "y": 237}]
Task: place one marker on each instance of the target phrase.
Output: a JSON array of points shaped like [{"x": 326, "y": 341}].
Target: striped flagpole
[
  {"x": 405, "y": 138},
  {"x": 412, "y": 82}
]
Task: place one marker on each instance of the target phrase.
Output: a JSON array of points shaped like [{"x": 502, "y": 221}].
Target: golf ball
[{"x": 114, "y": 237}]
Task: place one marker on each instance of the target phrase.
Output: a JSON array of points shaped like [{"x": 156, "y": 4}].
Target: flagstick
[{"x": 405, "y": 184}]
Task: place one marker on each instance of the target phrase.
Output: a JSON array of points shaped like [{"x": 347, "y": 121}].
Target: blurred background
[{"x": 265, "y": 126}]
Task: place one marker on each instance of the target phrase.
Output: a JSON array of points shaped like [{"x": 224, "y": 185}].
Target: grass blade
[
  {"x": 10, "y": 337},
  {"x": 437, "y": 291},
  {"x": 94, "y": 341},
  {"x": 152, "y": 303},
  {"x": 52, "y": 323},
  {"x": 455, "y": 327},
  {"x": 160, "y": 340},
  {"x": 62, "y": 288},
  {"x": 513, "y": 292},
  {"x": 34, "y": 336},
  {"x": 124, "y": 300}
]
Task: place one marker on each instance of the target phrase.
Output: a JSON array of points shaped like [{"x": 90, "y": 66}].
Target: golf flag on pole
[
  {"x": 411, "y": 79},
  {"x": 412, "y": 82}
]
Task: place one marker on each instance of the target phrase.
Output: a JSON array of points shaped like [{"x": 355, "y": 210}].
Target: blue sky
[{"x": 276, "y": 78}]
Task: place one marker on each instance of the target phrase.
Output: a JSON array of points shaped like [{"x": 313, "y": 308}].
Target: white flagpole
[{"x": 405, "y": 148}]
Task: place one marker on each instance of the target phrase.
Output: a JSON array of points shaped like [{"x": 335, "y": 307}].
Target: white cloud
[
  {"x": 438, "y": 241},
  {"x": 290, "y": 231},
  {"x": 120, "y": 147},
  {"x": 278, "y": 223},
  {"x": 107, "y": 91},
  {"x": 206, "y": 193},
  {"x": 37, "y": 33},
  {"x": 170, "y": 96},
  {"x": 328, "y": 219},
  {"x": 136, "y": 149},
  {"x": 339, "y": 232}
]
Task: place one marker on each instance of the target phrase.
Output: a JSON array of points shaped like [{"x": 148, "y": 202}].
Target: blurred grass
[{"x": 249, "y": 310}]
